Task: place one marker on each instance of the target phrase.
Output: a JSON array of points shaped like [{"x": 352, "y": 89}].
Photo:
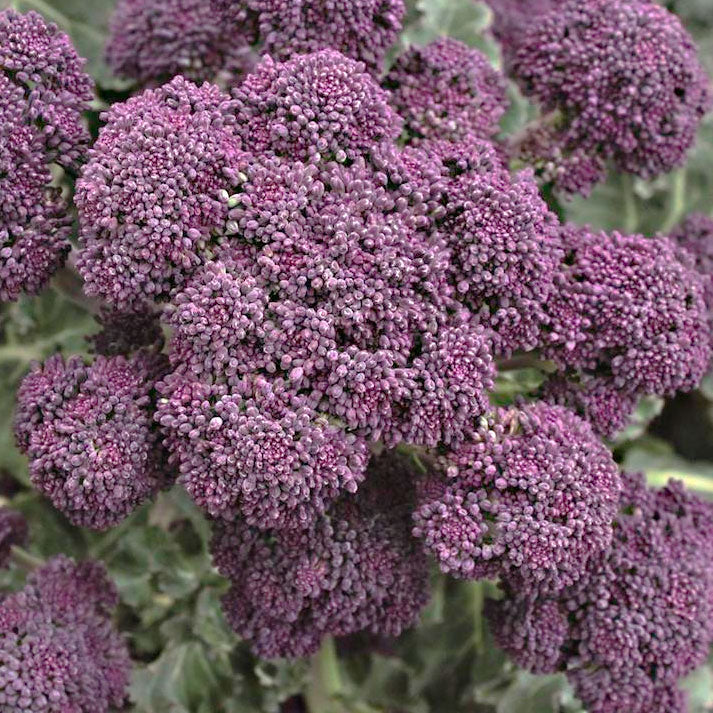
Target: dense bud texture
[
  {"x": 154, "y": 40},
  {"x": 621, "y": 81},
  {"x": 126, "y": 332},
  {"x": 596, "y": 399},
  {"x": 355, "y": 568},
  {"x": 88, "y": 432},
  {"x": 695, "y": 234},
  {"x": 530, "y": 497},
  {"x": 59, "y": 651},
  {"x": 504, "y": 253},
  {"x": 512, "y": 16},
  {"x": 148, "y": 198},
  {"x": 446, "y": 90},
  {"x": 361, "y": 29},
  {"x": 43, "y": 92},
  {"x": 322, "y": 105},
  {"x": 39, "y": 59},
  {"x": 257, "y": 449},
  {"x": 641, "y": 618},
  {"x": 631, "y": 309},
  {"x": 13, "y": 531}
]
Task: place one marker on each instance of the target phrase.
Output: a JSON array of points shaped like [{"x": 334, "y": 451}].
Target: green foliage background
[{"x": 187, "y": 659}]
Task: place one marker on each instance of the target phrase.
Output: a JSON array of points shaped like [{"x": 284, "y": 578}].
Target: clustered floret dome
[
  {"x": 638, "y": 621},
  {"x": 154, "y": 40},
  {"x": 319, "y": 106},
  {"x": 355, "y": 568},
  {"x": 58, "y": 647},
  {"x": 148, "y": 197},
  {"x": 695, "y": 234},
  {"x": 630, "y": 309},
  {"x": 360, "y": 29},
  {"x": 39, "y": 59},
  {"x": 43, "y": 92},
  {"x": 446, "y": 90},
  {"x": 257, "y": 448},
  {"x": 619, "y": 80},
  {"x": 89, "y": 434},
  {"x": 530, "y": 497}
]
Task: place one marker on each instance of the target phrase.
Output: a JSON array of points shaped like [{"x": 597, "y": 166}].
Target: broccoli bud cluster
[
  {"x": 154, "y": 40},
  {"x": 628, "y": 318},
  {"x": 59, "y": 650},
  {"x": 43, "y": 92},
  {"x": 619, "y": 80},
  {"x": 356, "y": 567},
  {"x": 89, "y": 433},
  {"x": 641, "y": 617},
  {"x": 530, "y": 497}
]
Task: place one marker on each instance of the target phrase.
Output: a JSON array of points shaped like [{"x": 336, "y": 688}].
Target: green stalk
[
  {"x": 325, "y": 684},
  {"x": 631, "y": 214},
  {"x": 24, "y": 560},
  {"x": 676, "y": 201}
]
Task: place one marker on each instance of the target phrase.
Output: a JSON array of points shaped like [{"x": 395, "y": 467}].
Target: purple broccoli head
[
  {"x": 43, "y": 92},
  {"x": 355, "y": 568},
  {"x": 620, "y": 79},
  {"x": 314, "y": 107},
  {"x": 531, "y": 496},
  {"x": 41, "y": 61},
  {"x": 363, "y": 30},
  {"x": 638, "y": 621},
  {"x": 148, "y": 199},
  {"x": 631, "y": 309},
  {"x": 89, "y": 434},
  {"x": 59, "y": 650},
  {"x": 447, "y": 90}
]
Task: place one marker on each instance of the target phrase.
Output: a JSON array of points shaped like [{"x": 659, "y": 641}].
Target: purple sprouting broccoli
[
  {"x": 59, "y": 650},
  {"x": 88, "y": 431},
  {"x": 154, "y": 40},
  {"x": 695, "y": 234},
  {"x": 505, "y": 256},
  {"x": 531, "y": 496},
  {"x": 511, "y": 17},
  {"x": 258, "y": 449},
  {"x": 355, "y": 568},
  {"x": 13, "y": 531},
  {"x": 148, "y": 199},
  {"x": 638, "y": 621},
  {"x": 631, "y": 309},
  {"x": 126, "y": 332},
  {"x": 595, "y": 398},
  {"x": 618, "y": 80},
  {"x": 41, "y": 61},
  {"x": 34, "y": 224},
  {"x": 361, "y": 29},
  {"x": 43, "y": 92},
  {"x": 314, "y": 107},
  {"x": 447, "y": 90}
]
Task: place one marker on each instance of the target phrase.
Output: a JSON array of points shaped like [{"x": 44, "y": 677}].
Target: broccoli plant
[{"x": 347, "y": 348}]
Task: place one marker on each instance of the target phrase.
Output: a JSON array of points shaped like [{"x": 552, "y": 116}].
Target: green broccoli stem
[
  {"x": 676, "y": 201},
  {"x": 24, "y": 560},
  {"x": 631, "y": 213},
  {"x": 325, "y": 683}
]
